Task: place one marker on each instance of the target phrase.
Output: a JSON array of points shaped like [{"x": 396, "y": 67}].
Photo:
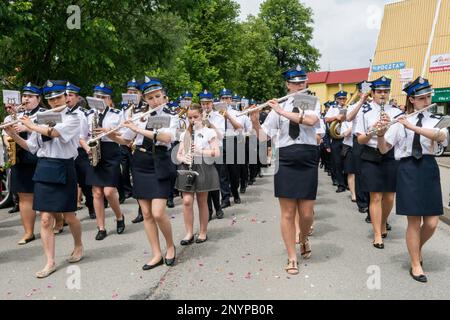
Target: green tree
[{"x": 291, "y": 26}]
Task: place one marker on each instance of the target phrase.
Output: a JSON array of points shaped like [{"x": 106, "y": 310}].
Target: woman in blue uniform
[
  {"x": 200, "y": 153},
  {"x": 22, "y": 172},
  {"x": 104, "y": 177},
  {"x": 55, "y": 180},
  {"x": 378, "y": 171},
  {"x": 152, "y": 171},
  {"x": 297, "y": 177},
  {"x": 419, "y": 195}
]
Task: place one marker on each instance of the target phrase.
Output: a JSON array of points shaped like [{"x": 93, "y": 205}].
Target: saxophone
[
  {"x": 12, "y": 145},
  {"x": 95, "y": 151}
]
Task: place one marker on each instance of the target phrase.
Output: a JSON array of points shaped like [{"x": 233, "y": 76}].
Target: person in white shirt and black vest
[
  {"x": 414, "y": 140},
  {"x": 55, "y": 179}
]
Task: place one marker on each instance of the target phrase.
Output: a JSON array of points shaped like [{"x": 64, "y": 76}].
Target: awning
[{"x": 441, "y": 95}]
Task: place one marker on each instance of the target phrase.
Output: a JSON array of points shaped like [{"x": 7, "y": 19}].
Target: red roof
[{"x": 336, "y": 77}]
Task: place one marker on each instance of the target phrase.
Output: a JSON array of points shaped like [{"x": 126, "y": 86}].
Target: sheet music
[
  {"x": 158, "y": 122},
  {"x": 443, "y": 123},
  {"x": 11, "y": 97},
  {"x": 96, "y": 104},
  {"x": 49, "y": 118},
  {"x": 130, "y": 98}
]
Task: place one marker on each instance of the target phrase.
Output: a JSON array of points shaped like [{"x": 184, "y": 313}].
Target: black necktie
[
  {"x": 417, "y": 147},
  {"x": 294, "y": 128},
  {"x": 101, "y": 116}
]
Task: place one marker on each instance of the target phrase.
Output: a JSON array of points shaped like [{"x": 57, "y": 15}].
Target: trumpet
[
  {"x": 388, "y": 125},
  {"x": 33, "y": 117},
  {"x": 264, "y": 105},
  {"x": 94, "y": 141}
]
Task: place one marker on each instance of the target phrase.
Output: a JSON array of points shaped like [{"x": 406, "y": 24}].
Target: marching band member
[
  {"x": 297, "y": 177},
  {"x": 378, "y": 172},
  {"x": 198, "y": 148},
  {"x": 347, "y": 157},
  {"x": 152, "y": 170},
  {"x": 362, "y": 198},
  {"x": 230, "y": 151},
  {"x": 104, "y": 178},
  {"x": 55, "y": 180},
  {"x": 22, "y": 173},
  {"x": 254, "y": 168},
  {"x": 336, "y": 114},
  {"x": 419, "y": 195},
  {"x": 217, "y": 123},
  {"x": 82, "y": 160}
]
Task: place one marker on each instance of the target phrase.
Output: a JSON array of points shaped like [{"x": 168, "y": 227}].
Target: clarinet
[{"x": 190, "y": 176}]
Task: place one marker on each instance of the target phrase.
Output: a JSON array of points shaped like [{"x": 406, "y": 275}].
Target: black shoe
[
  {"x": 139, "y": 218},
  {"x": 242, "y": 190},
  {"x": 14, "y": 209},
  {"x": 384, "y": 235},
  {"x": 378, "y": 245},
  {"x": 201, "y": 240},
  {"x": 170, "y": 203},
  {"x": 340, "y": 189},
  {"x": 101, "y": 234},
  {"x": 121, "y": 225},
  {"x": 225, "y": 204},
  {"x": 368, "y": 220},
  {"x": 388, "y": 227},
  {"x": 187, "y": 242},
  {"x": 219, "y": 214},
  {"x": 149, "y": 267},
  {"x": 363, "y": 210},
  {"x": 237, "y": 200},
  {"x": 171, "y": 262},
  {"x": 421, "y": 278},
  {"x": 335, "y": 183},
  {"x": 92, "y": 214}
]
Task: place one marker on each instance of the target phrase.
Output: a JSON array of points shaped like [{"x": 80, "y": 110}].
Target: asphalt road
[{"x": 244, "y": 258}]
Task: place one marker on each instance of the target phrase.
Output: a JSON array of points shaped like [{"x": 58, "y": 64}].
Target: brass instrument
[
  {"x": 388, "y": 125},
  {"x": 182, "y": 113},
  {"x": 11, "y": 147},
  {"x": 95, "y": 151}
]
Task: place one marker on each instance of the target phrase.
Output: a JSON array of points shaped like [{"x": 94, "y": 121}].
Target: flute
[{"x": 11, "y": 123}]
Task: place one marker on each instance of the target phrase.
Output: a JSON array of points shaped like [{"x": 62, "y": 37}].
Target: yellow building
[
  {"x": 326, "y": 83},
  {"x": 414, "y": 41}
]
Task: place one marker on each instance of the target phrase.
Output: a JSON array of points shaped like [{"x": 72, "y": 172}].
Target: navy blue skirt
[
  {"x": 107, "y": 171},
  {"x": 55, "y": 186},
  {"x": 297, "y": 176},
  {"x": 146, "y": 185},
  {"x": 22, "y": 178},
  {"x": 419, "y": 190},
  {"x": 379, "y": 174},
  {"x": 349, "y": 166}
]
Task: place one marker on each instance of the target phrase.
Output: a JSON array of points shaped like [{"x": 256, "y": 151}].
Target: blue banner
[{"x": 389, "y": 66}]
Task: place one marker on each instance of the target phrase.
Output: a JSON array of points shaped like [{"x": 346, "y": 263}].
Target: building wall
[
  {"x": 325, "y": 92},
  {"x": 404, "y": 37}
]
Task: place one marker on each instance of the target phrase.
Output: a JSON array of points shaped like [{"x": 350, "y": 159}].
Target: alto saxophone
[
  {"x": 12, "y": 146},
  {"x": 95, "y": 151}
]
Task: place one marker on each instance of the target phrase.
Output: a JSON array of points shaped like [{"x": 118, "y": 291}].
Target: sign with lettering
[{"x": 389, "y": 66}]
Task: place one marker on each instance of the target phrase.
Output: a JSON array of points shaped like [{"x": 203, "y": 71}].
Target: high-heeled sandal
[
  {"x": 305, "y": 249},
  {"x": 292, "y": 267}
]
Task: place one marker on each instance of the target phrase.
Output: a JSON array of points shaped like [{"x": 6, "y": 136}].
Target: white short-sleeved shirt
[
  {"x": 113, "y": 118},
  {"x": 370, "y": 116},
  {"x": 229, "y": 129},
  {"x": 333, "y": 111},
  {"x": 345, "y": 125},
  {"x": 129, "y": 134},
  {"x": 401, "y": 139},
  {"x": 84, "y": 129},
  {"x": 277, "y": 127},
  {"x": 355, "y": 120},
  {"x": 63, "y": 147},
  {"x": 321, "y": 129},
  {"x": 202, "y": 138}
]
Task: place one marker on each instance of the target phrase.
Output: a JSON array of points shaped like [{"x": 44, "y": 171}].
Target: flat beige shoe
[
  {"x": 45, "y": 273},
  {"x": 73, "y": 259}
]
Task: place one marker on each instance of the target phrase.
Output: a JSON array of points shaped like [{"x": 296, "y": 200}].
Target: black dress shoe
[
  {"x": 139, "y": 218},
  {"x": 368, "y": 220},
  {"x": 171, "y": 262},
  {"x": 421, "y": 278},
  {"x": 237, "y": 200},
  {"x": 151, "y": 266},
  {"x": 92, "y": 214},
  {"x": 225, "y": 204},
  {"x": 242, "y": 190},
  {"x": 363, "y": 210},
  {"x": 14, "y": 209},
  {"x": 388, "y": 227},
  {"x": 219, "y": 214},
  {"x": 384, "y": 235},
  {"x": 378, "y": 245},
  {"x": 121, "y": 225},
  {"x": 187, "y": 242},
  {"x": 170, "y": 203},
  {"x": 340, "y": 189},
  {"x": 101, "y": 234},
  {"x": 335, "y": 183},
  {"x": 201, "y": 240}
]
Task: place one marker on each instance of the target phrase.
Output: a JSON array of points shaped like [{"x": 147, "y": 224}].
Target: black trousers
[
  {"x": 337, "y": 162},
  {"x": 214, "y": 196},
  {"x": 125, "y": 173},
  {"x": 81, "y": 166},
  {"x": 362, "y": 198}
]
